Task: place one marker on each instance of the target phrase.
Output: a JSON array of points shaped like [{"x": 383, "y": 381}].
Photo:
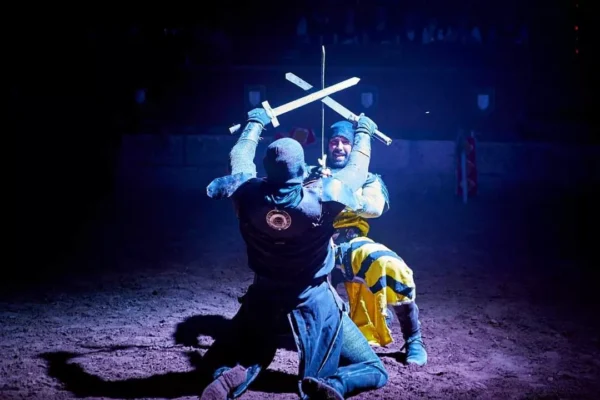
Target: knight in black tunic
[{"x": 287, "y": 227}]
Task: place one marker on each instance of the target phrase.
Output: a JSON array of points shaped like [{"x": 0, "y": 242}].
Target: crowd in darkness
[
  {"x": 395, "y": 22},
  {"x": 223, "y": 37},
  {"x": 415, "y": 34}
]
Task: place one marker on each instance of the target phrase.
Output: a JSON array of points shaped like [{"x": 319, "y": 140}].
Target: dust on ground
[{"x": 508, "y": 307}]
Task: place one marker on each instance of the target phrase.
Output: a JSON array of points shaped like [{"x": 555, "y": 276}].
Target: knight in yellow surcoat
[{"x": 376, "y": 278}]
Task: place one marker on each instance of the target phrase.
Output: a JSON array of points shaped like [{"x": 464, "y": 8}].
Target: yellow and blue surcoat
[{"x": 376, "y": 277}]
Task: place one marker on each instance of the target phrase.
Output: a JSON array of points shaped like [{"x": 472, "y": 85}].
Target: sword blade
[
  {"x": 318, "y": 95},
  {"x": 296, "y": 80},
  {"x": 331, "y": 103},
  {"x": 274, "y": 112},
  {"x": 334, "y": 105}
]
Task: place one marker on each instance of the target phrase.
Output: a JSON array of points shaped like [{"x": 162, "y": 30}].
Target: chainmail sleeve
[
  {"x": 241, "y": 157},
  {"x": 241, "y": 164}
]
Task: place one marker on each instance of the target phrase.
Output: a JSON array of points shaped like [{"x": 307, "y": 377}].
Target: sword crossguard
[{"x": 270, "y": 113}]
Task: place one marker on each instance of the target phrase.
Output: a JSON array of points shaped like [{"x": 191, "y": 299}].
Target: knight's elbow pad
[
  {"x": 225, "y": 186},
  {"x": 216, "y": 189}
]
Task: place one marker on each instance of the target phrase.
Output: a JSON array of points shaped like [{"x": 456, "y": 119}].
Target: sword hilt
[
  {"x": 384, "y": 138},
  {"x": 233, "y": 129},
  {"x": 378, "y": 134},
  {"x": 270, "y": 114}
]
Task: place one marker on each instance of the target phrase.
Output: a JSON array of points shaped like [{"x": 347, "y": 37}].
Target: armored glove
[
  {"x": 259, "y": 115},
  {"x": 365, "y": 125}
]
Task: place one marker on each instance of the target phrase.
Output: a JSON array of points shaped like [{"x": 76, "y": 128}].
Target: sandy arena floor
[{"x": 507, "y": 304}]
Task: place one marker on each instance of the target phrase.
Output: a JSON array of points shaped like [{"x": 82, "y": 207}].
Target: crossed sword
[{"x": 322, "y": 95}]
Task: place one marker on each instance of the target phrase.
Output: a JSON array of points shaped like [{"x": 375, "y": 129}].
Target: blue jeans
[
  {"x": 360, "y": 368},
  {"x": 314, "y": 314},
  {"x": 330, "y": 346}
]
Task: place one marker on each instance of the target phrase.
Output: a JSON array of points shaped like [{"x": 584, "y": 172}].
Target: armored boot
[
  {"x": 408, "y": 316},
  {"x": 320, "y": 389},
  {"x": 225, "y": 385}
]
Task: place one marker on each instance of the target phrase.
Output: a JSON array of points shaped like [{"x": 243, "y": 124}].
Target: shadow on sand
[{"x": 169, "y": 385}]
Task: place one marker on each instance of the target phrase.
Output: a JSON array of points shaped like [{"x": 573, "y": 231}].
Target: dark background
[{"x": 72, "y": 91}]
